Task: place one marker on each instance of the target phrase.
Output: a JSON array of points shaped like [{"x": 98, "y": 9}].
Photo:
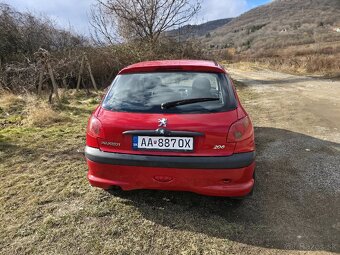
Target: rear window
[{"x": 146, "y": 92}]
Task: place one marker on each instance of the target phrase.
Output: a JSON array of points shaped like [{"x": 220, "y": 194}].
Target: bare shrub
[
  {"x": 141, "y": 19},
  {"x": 107, "y": 61},
  {"x": 41, "y": 44},
  {"x": 22, "y": 34}
]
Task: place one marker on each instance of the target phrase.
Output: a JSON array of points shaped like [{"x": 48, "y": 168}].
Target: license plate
[{"x": 163, "y": 143}]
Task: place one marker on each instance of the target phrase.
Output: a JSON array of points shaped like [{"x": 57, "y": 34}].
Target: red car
[{"x": 172, "y": 125}]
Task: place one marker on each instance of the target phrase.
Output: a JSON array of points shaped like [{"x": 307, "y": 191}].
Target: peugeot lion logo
[{"x": 162, "y": 122}]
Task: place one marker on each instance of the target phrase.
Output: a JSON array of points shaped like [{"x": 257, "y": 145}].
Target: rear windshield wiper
[{"x": 187, "y": 101}]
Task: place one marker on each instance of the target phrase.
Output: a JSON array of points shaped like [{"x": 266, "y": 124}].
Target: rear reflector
[{"x": 163, "y": 178}]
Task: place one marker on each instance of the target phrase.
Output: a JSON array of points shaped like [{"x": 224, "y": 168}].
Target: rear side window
[{"x": 146, "y": 92}]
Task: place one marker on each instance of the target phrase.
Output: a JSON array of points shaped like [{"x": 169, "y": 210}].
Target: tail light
[
  {"x": 94, "y": 131},
  {"x": 94, "y": 127},
  {"x": 240, "y": 130},
  {"x": 242, "y": 133}
]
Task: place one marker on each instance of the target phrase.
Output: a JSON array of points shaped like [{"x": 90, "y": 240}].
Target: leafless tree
[
  {"x": 105, "y": 29},
  {"x": 23, "y": 33},
  {"x": 142, "y": 19}
]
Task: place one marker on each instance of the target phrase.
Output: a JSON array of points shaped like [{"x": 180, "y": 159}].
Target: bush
[
  {"x": 108, "y": 61},
  {"x": 24, "y": 56}
]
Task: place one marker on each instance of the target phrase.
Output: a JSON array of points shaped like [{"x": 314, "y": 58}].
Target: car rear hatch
[{"x": 208, "y": 131}]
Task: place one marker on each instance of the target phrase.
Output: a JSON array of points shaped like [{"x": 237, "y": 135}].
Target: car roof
[{"x": 174, "y": 65}]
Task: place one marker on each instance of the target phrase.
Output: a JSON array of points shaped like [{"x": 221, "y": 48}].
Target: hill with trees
[
  {"x": 280, "y": 23},
  {"x": 204, "y": 29},
  {"x": 293, "y": 33}
]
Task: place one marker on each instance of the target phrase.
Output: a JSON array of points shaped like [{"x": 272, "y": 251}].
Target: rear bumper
[
  {"x": 229, "y": 162},
  {"x": 105, "y": 172}
]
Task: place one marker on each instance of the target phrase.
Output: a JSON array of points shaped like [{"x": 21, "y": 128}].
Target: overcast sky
[{"x": 74, "y": 13}]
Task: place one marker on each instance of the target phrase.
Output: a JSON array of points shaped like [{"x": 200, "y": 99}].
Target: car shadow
[{"x": 295, "y": 206}]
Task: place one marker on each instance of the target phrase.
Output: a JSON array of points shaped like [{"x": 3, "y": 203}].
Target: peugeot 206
[{"x": 172, "y": 125}]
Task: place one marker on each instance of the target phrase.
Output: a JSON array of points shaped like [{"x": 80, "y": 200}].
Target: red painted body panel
[{"x": 212, "y": 182}]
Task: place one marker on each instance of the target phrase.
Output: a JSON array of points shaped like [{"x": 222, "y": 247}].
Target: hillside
[
  {"x": 279, "y": 24},
  {"x": 201, "y": 30}
]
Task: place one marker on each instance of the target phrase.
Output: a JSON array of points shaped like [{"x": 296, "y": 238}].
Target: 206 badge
[{"x": 219, "y": 147}]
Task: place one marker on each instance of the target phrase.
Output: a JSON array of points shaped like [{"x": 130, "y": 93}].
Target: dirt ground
[
  {"x": 297, "y": 123},
  {"x": 47, "y": 206}
]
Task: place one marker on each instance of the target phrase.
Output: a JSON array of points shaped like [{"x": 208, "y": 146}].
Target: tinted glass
[{"x": 145, "y": 92}]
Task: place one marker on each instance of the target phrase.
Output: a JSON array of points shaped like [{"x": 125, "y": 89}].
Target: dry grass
[
  {"x": 321, "y": 59},
  {"x": 42, "y": 114},
  {"x": 28, "y": 110},
  {"x": 327, "y": 66},
  {"x": 9, "y": 100},
  {"x": 11, "y": 109},
  {"x": 243, "y": 66}
]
